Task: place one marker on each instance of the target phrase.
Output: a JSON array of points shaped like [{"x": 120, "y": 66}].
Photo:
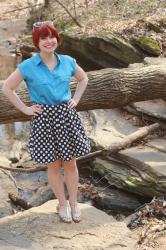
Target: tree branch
[
  {"x": 112, "y": 149},
  {"x": 68, "y": 12}
]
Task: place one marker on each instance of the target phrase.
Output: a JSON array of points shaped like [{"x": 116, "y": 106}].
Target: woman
[{"x": 57, "y": 135}]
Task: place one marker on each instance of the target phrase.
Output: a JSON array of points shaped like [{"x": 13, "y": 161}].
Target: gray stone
[
  {"x": 158, "y": 143},
  {"x": 100, "y": 51},
  {"x": 155, "y": 108},
  {"x": 7, "y": 184},
  {"x": 109, "y": 126},
  {"x": 39, "y": 228}
]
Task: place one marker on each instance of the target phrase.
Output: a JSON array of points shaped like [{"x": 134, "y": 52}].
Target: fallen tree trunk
[
  {"x": 107, "y": 88},
  {"x": 142, "y": 132}
]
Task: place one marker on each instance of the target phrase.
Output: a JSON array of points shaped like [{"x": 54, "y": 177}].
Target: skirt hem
[{"x": 76, "y": 156}]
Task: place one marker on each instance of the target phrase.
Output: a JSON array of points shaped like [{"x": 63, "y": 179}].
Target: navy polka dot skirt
[{"x": 57, "y": 133}]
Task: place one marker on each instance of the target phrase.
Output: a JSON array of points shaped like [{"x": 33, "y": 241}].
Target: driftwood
[
  {"x": 128, "y": 140},
  {"x": 107, "y": 88},
  {"x": 142, "y": 132}
]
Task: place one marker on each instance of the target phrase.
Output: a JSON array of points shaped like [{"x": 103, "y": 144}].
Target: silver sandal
[
  {"x": 75, "y": 212},
  {"x": 64, "y": 213}
]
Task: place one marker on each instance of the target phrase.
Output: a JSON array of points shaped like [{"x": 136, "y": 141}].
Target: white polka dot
[{"x": 60, "y": 135}]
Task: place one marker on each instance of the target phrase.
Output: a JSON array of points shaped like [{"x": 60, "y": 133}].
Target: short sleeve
[
  {"x": 74, "y": 66},
  {"x": 23, "y": 69}
]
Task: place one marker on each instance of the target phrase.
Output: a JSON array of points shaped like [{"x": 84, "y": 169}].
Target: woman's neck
[{"x": 47, "y": 57}]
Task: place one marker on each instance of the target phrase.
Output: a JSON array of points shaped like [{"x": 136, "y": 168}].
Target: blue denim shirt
[{"x": 44, "y": 86}]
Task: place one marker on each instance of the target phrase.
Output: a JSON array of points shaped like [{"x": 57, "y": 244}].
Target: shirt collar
[{"x": 37, "y": 58}]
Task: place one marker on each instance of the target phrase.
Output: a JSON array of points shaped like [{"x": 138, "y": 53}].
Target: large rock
[
  {"x": 100, "y": 51},
  {"x": 109, "y": 127},
  {"x": 149, "y": 45},
  {"x": 155, "y": 108},
  {"x": 39, "y": 228},
  {"x": 34, "y": 187},
  {"x": 139, "y": 169},
  {"x": 117, "y": 174},
  {"x": 114, "y": 199},
  {"x": 149, "y": 162},
  {"x": 7, "y": 184}
]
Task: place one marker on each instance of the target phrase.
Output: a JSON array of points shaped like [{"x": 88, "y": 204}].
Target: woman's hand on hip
[
  {"x": 72, "y": 103},
  {"x": 33, "y": 110}
]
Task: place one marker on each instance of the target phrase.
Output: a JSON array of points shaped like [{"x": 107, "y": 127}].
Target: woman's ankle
[
  {"x": 73, "y": 202},
  {"x": 62, "y": 203}
]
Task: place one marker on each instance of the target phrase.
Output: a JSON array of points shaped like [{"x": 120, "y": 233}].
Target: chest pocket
[
  {"x": 44, "y": 82},
  {"x": 40, "y": 81},
  {"x": 64, "y": 79}
]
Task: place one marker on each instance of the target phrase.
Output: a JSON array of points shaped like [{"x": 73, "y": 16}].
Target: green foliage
[
  {"x": 139, "y": 10},
  {"x": 134, "y": 181},
  {"x": 140, "y": 185},
  {"x": 62, "y": 25},
  {"x": 148, "y": 44}
]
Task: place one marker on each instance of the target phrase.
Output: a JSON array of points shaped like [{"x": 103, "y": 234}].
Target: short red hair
[{"x": 43, "y": 31}]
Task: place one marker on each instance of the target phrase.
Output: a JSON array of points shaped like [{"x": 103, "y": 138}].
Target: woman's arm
[
  {"x": 82, "y": 80},
  {"x": 8, "y": 90}
]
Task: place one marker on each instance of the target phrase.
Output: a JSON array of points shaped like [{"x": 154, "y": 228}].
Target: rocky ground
[{"x": 44, "y": 231}]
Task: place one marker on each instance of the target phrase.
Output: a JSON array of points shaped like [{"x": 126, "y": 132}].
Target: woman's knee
[
  {"x": 54, "y": 166},
  {"x": 70, "y": 165}
]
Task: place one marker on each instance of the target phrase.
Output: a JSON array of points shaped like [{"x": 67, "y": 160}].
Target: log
[
  {"x": 128, "y": 140},
  {"x": 107, "y": 88},
  {"x": 112, "y": 149}
]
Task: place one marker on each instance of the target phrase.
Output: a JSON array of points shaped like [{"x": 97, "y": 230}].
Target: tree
[{"x": 107, "y": 88}]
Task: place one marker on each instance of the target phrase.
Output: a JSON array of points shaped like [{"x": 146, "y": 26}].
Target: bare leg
[
  {"x": 71, "y": 178},
  {"x": 56, "y": 181}
]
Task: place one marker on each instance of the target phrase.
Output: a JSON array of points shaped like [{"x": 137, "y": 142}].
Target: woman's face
[{"x": 47, "y": 44}]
